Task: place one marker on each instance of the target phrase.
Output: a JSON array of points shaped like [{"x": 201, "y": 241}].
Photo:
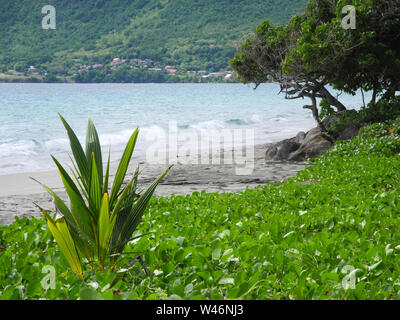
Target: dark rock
[
  {"x": 286, "y": 149},
  {"x": 301, "y": 147},
  {"x": 348, "y": 132},
  {"x": 281, "y": 150},
  {"x": 311, "y": 144},
  {"x": 271, "y": 152},
  {"x": 314, "y": 145},
  {"x": 311, "y": 135},
  {"x": 300, "y": 137},
  {"x": 313, "y": 148}
]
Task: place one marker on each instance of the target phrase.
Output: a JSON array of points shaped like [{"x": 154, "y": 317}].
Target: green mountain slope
[{"x": 190, "y": 34}]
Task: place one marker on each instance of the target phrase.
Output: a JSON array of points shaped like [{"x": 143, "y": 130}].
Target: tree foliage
[
  {"x": 366, "y": 57},
  {"x": 314, "y": 51}
]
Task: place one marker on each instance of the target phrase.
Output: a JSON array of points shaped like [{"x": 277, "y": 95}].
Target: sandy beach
[{"x": 18, "y": 192}]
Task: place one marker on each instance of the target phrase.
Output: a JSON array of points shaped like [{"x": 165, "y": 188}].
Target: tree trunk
[
  {"x": 332, "y": 100},
  {"x": 363, "y": 98},
  {"x": 313, "y": 107},
  {"x": 374, "y": 92}
]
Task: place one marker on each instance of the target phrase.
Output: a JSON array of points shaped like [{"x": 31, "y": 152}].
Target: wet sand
[{"x": 18, "y": 192}]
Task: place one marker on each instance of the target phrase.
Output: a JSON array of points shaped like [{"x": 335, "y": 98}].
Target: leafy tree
[
  {"x": 367, "y": 57},
  {"x": 260, "y": 59},
  {"x": 314, "y": 50}
]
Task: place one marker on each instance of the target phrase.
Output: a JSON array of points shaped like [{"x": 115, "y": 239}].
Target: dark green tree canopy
[{"x": 314, "y": 50}]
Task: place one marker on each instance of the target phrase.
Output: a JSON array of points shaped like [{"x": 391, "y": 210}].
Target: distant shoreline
[
  {"x": 74, "y": 82},
  {"x": 7, "y": 78}
]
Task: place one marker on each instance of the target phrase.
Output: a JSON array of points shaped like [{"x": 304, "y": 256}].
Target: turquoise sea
[{"x": 30, "y": 129}]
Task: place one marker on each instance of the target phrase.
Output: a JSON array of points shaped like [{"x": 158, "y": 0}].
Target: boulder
[
  {"x": 286, "y": 149},
  {"x": 348, "y": 132},
  {"x": 311, "y": 135},
  {"x": 301, "y": 147},
  {"x": 300, "y": 137},
  {"x": 281, "y": 150},
  {"x": 271, "y": 152},
  {"x": 314, "y": 147},
  {"x": 311, "y": 144}
]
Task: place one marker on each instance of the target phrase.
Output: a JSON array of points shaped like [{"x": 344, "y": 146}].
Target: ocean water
[{"x": 31, "y": 131}]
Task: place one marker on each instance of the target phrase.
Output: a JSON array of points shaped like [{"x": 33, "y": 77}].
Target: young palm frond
[{"x": 99, "y": 221}]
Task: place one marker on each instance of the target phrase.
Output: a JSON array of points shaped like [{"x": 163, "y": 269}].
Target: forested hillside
[{"x": 188, "y": 34}]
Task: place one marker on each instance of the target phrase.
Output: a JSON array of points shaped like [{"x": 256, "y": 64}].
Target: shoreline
[
  {"x": 18, "y": 191},
  {"x": 16, "y": 79}
]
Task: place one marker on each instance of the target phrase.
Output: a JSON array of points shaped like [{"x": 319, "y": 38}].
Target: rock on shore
[
  {"x": 303, "y": 146},
  {"x": 306, "y": 145}
]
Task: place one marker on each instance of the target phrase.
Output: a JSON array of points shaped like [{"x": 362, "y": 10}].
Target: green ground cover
[{"x": 331, "y": 232}]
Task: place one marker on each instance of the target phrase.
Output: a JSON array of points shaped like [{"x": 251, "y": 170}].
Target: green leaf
[
  {"x": 93, "y": 147},
  {"x": 94, "y": 189},
  {"x": 78, "y": 152},
  {"x": 80, "y": 212},
  {"x": 216, "y": 254},
  {"x": 121, "y": 199},
  {"x": 123, "y": 167},
  {"x": 126, "y": 223},
  {"x": 65, "y": 242},
  {"x": 106, "y": 177},
  {"x": 90, "y": 294},
  {"x": 226, "y": 281},
  {"x": 62, "y": 207},
  {"x": 80, "y": 240},
  {"x": 106, "y": 225}
]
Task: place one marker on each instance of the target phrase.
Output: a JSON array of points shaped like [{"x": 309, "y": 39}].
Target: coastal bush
[
  {"x": 325, "y": 109},
  {"x": 99, "y": 221},
  {"x": 380, "y": 139},
  {"x": 383, "y": 110},
  {"x": 331, "y": 232},
  {"x": 374, "y": 130},
  {"x": 380, "y": 114}
]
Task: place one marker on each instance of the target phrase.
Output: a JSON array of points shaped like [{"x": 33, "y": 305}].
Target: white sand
[{"x": 18, "y": 191}]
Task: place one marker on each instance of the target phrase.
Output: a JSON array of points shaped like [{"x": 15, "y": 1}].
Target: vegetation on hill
[{"x": 190, "y": 35}]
